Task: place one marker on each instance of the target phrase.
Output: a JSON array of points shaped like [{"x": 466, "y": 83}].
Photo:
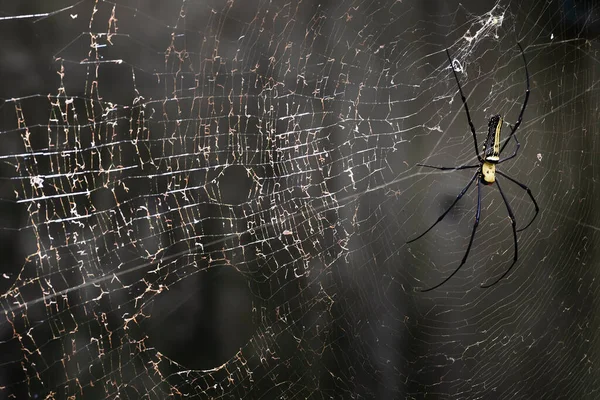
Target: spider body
[
  {"x": 486, "y": 172},
  {"x": 491, "y": 150}
]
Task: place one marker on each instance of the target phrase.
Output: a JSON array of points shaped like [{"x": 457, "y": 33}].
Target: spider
[{"x": 486, "y": 173}]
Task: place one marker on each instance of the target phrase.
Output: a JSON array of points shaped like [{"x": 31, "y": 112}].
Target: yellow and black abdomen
[
  {"x": 491, "y": 150},
  {"x": 491, "y": 146}
]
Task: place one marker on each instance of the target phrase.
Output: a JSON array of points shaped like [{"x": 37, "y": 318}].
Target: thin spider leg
[
  {"x": 477, "y": 215},
  {"x": 448, "y": 168},
  {"x": 514, "y": 228},
  {"x": 537, "y": 208},
  {"x": 514, "y": 129},
  {"x": 464, "y": 100},
  {"x": 441, "y": 217},
  {"x": 514, "y": 154}
]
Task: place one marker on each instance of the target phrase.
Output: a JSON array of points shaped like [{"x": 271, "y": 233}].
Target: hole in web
[
  {"x": 234, "y": 185},
  {"x": 203, "y": 320}
]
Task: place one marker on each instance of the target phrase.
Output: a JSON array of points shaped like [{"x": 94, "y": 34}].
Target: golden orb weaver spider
[{"x": 486, "y": 173}]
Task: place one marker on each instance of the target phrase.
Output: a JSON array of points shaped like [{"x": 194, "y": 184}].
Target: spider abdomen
[{"x": 491, "y": 146}]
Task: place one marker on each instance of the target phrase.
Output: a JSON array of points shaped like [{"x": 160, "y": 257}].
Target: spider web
[{"x": 211, "y": 200}]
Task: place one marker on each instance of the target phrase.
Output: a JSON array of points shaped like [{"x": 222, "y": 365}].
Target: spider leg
[
  {"x": 514, "y": 228},
  {"x": 441, "y": 217},
  {"x": 448, "y": 168},
  {"x": 464, "y": 100},
  {"x": 537, "y": 208},
  {"x": 514, "y": 154},
  {"x": 514, "y": 129},
  {"x": 477, "y": 215}
]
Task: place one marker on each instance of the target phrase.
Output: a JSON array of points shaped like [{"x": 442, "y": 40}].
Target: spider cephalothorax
[{"x": 486, "y": 172}]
